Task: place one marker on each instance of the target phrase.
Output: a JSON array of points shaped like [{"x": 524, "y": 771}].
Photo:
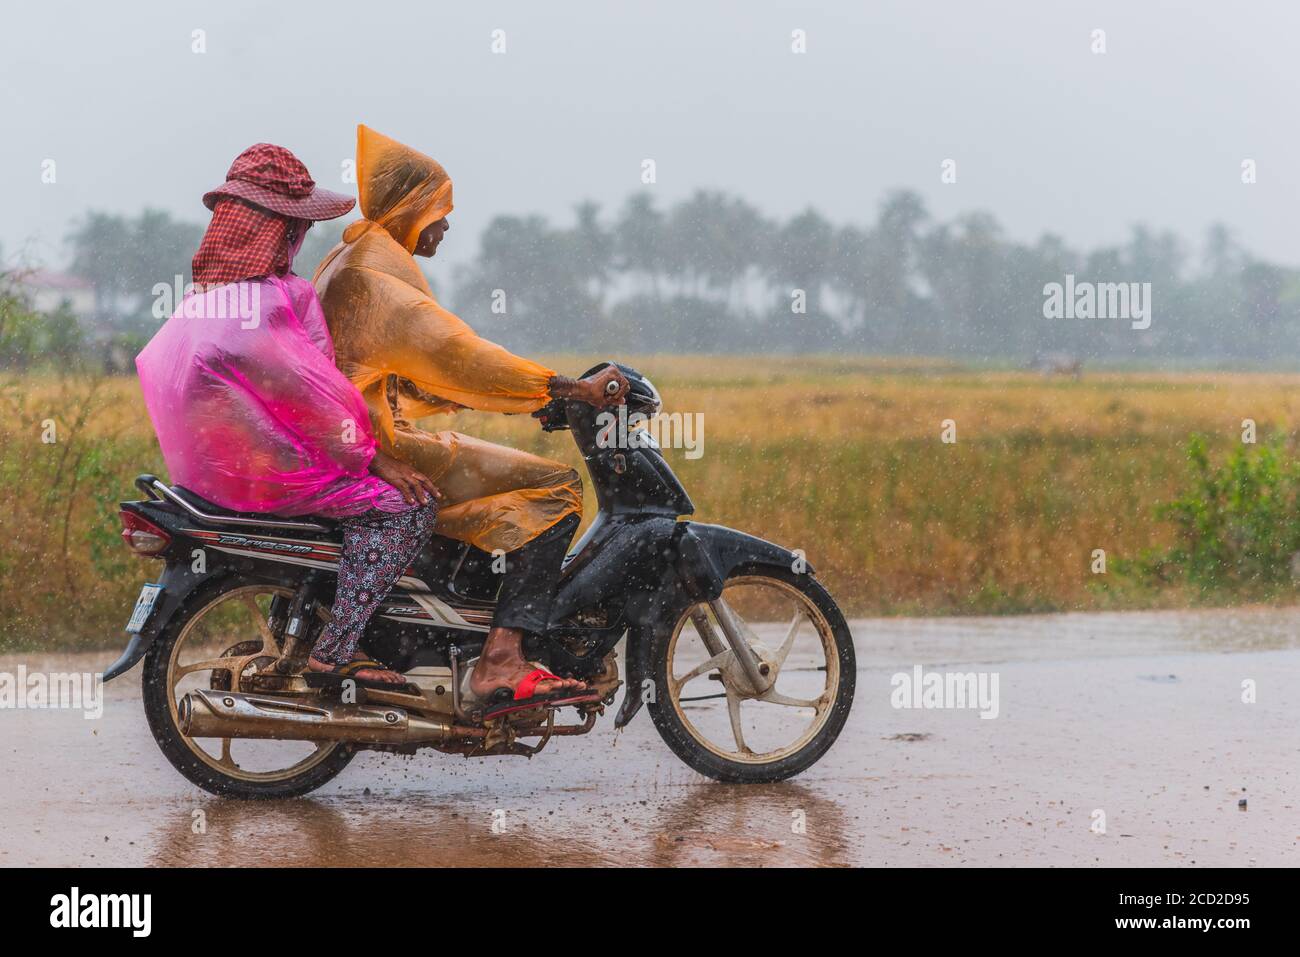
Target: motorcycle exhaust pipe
[{"x": 230, "y": 714}]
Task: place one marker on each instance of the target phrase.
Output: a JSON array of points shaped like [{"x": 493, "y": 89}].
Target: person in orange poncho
[{"x": 411, "y": 358}]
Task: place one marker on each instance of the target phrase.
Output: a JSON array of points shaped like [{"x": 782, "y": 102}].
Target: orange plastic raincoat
[{"x": 411, "y": 358}]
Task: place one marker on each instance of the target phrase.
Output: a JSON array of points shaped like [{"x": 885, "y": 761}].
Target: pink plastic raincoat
[{"x": 250, "y": 410}]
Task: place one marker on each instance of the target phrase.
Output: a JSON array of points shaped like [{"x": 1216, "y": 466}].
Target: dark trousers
[{"x": 532, "y": 574}]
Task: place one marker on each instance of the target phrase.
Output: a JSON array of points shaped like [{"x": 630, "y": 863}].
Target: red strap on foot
[{"x": 529, "y": 685}]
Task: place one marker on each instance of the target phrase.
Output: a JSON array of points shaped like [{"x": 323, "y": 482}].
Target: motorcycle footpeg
[{"x": 525, "y": 707}]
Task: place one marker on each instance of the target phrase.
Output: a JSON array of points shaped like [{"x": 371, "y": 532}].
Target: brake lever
[{"x": 552, "y": 416}]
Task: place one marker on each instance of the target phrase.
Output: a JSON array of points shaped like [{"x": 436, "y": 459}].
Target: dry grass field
[{"x": 841, "y": 458}]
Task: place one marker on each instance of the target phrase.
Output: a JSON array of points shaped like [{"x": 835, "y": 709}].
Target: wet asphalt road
[{"x": 1139, "y": 716}]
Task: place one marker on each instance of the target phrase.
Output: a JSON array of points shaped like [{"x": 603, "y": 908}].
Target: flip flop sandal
[
  {"x": 539, "y": 701},
  {"x": 505, "y": 700},
  {"x": 342, "y": 673}
]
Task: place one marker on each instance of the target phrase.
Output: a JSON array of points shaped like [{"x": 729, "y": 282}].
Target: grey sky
[{"x": 1046, "y": 134}]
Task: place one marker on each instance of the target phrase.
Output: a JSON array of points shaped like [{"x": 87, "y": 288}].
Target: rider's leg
[
  {"x": 493, "y": 497},
  {"x": 377, "y": 548},
  {"x": 496, "y": 497},
  {"x": 524, "y": 604}
]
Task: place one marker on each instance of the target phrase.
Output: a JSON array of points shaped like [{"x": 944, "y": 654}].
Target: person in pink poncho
[{"x": 252, "y": 414}]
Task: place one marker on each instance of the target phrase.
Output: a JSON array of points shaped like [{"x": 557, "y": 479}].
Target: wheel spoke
[
  {"x": 733, "y": 712},
  {"x": 210, "y": 664},
  {"x": 269, "y": 647},
  {"x": 227, "y": 760},
  {"x": 775, "y": 697},
  {"x": 713, "y": 664},
  {"x": 788, "y": 643}
]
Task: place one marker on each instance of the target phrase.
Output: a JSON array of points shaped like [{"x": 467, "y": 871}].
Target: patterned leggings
[{"x": 377, "y": 548}]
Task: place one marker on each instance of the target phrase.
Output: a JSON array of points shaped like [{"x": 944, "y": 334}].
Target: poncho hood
[{"x": 401, "y": 189}]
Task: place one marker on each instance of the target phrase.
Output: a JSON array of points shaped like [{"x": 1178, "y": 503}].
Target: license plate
[{"x": 143, "y": 606}]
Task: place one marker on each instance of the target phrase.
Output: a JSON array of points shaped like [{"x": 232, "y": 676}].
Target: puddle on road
[
  {"x": 909, "y": 787},
  {"x": 891, "y": 642}
]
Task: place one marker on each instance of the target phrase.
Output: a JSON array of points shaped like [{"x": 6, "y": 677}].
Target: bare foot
[
  {"x": 502, "y": 664},
  {"x": 484, "y": 681},
  {"x": 364, "y": 674}
]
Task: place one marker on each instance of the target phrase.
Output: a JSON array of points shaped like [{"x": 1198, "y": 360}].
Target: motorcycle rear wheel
[
  {"x": 777, "y": 607},
  {"x": 228, "y": 622}
]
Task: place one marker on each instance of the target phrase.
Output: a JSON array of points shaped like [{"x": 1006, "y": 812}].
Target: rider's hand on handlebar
[
  {"x": 606, "y": 388},
  {"x": 414, "y": 485}
]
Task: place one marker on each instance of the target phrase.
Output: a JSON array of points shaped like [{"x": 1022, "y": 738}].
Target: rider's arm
[{"x": 421, "y": 341}]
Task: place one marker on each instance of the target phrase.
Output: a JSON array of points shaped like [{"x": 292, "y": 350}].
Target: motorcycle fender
[
  {"x": 178, "y": 581},
  {"x": 707, "y": 554}
]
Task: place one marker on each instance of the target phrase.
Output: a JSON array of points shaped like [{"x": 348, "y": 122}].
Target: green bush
[
  {"x": 1237, "y": 526},
  {"x": 29, "y": 338}
]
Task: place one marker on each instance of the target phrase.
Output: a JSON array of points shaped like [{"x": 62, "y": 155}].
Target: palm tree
[{"x": 640, "y": 242}]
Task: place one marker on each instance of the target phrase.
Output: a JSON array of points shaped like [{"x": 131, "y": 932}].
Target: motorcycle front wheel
[{"x": 721, "y": 724}]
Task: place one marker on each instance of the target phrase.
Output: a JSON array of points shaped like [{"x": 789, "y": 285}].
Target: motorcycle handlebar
[{"x": 552, "y": 416}]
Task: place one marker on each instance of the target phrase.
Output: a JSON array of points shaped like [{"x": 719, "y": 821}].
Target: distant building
[{"x": 47, "y": 291}]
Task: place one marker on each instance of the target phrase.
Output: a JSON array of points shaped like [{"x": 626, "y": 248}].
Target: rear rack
[{"x": 158, "y": 491}]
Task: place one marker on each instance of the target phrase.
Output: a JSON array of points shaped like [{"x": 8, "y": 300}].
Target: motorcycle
[{"x": 714, "y": 620}]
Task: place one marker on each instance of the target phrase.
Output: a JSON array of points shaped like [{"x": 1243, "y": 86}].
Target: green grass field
[{"x": 841, "y": 458}]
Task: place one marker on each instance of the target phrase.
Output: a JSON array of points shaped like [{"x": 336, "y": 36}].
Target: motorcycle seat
[{"x": 211, "y": 513}]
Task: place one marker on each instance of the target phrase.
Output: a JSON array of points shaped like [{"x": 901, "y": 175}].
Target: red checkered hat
[{"x": 273, "y": 178}]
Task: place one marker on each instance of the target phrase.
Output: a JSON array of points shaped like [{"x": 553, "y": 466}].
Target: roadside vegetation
[
  {"x": 1236, "y": 526},
  {"x": 840, "y": 457}
]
